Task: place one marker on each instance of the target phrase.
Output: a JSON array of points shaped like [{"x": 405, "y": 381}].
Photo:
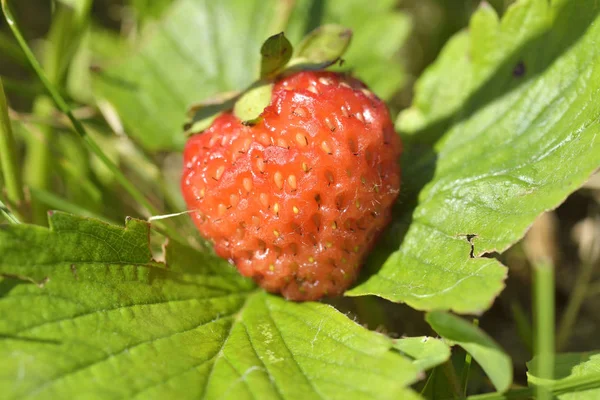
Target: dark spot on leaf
[{"x": 519, "y": 69}]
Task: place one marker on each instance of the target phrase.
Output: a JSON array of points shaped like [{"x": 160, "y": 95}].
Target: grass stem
[
  {"x": 8, "y": 156},
  {"x": 464, "y": 375}
]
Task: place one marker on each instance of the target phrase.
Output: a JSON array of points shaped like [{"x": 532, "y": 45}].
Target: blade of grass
[
  {"x": 68, "y": 24},
  {"x": 464, "y": 376},
  {"x": 79, "y": 128},
  {"x": 450, "y": 374},
  {"x": 10, "y": 217},
  {"x": 523, "y": 325},
  {"x": 8, "y": 155}
]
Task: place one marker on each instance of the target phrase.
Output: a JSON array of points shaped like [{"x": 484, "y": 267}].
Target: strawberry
[{"x": 296, "y": 200}]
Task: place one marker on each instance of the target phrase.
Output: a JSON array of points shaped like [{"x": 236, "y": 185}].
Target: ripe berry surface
[{"x": 298, "y": 199}]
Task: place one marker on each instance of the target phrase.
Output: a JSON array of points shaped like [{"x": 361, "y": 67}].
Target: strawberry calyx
[{"x": 320, "y": 49}]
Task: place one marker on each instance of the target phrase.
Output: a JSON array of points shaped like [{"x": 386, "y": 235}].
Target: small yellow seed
[
  {"x": 326, "y": 147},
  {"x": 311, "y": 260},
  {"x": 296, "y": 210},
  {"x": 246, "y": 145},
  {"x": 313, "y": 89},
  {"x": 219, "y": 172},
  {"x": 276, "y": 208},
  {"x": 305, "y": 167},
  {"x": 264, "y": 199},
  {"x": 278, "y": 178},
  {"x": 329, "y": 124},
  {"x": 260, "y": 164},
  {"x": 282, "y": 143},
  {"x": 329, "y": 176},
  {"x": 328, "y": 244},
  {"x": 357, "y": 204},
  {"x": 271, "y": 268},
  {"x": 292, "y": 181},
  {"x": 345, "y": 111},
  {"x": 247, "y": 184},
  {"x": 264, "y": 139},
  {"x": 360, "y": 117},
  {"x": 276, "y": 233},
  {"x": 300, "y": 112},
  {"x": 301, "y": 139},
  {"x": 325, "y": 81},
  {"x": 334, "y": 225}
]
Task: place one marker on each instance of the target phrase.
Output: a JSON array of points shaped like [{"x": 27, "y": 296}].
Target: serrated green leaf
[
  {"x": 426, "y": 352},
  {"x": 492, "y": 359},
  {"x": 379, "y": 30},
  {"x": 503, "y": 127},
  {"x": 576, "y": 376},
  {"x": 107, "y": 321},
  {"x": 201, "y": 48},
  {"x": 275, "y": 52}
]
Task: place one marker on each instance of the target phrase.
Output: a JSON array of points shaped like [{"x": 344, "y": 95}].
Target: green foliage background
[{"x": 500, "y": 127}]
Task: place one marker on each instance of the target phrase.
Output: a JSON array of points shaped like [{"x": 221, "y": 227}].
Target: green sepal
[
  {"x": 252, "y": 103},
  {"x": 201, "y": 115},
  {"x": 322, "y": 47},
  {"x": 276, "y": 51}
]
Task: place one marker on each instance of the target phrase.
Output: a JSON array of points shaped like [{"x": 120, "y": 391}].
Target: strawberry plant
[{"x": 419, "y": 220}]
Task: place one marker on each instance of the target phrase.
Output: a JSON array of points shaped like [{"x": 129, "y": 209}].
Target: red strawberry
[{"x": 297, "y": 200}]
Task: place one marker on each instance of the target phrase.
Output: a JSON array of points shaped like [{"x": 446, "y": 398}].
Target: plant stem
[
  {"x": 450, "y": 374},
  {"x": 464, "y": 376},
  {"x": 8, "y": 155},
  {"x": 80, "y": 129},
  {"x": 586, "y": 270},
  {"x": 523, "y": 325},
  {"x": 569, "y": 385},
  {"x": 544, "y": 304}
]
